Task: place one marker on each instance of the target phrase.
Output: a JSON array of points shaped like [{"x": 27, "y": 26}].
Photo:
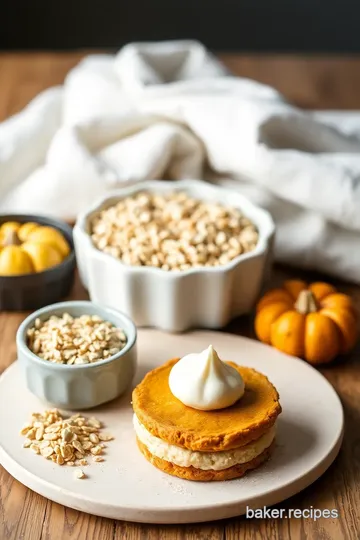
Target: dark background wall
[{"x": 250, "y": 25}]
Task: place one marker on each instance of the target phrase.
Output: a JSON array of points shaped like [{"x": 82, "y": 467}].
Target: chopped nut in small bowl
[
  {"x": 175, "y": 255},
  {"x": 76, "y": 354}
]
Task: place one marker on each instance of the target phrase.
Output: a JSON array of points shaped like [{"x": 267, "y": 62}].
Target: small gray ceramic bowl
[{"x": 78, "y": 386}]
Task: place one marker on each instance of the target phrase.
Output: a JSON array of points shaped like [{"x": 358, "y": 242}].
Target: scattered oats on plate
[{"x": 65, "y": 441}]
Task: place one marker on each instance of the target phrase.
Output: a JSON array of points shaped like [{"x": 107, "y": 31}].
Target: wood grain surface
[{"x": 311, "y": 83}]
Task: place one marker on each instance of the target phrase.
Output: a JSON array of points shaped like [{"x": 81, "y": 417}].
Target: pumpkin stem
[
  {"x": 306, "y": 303},
  {"x": 11, "y": 239}
]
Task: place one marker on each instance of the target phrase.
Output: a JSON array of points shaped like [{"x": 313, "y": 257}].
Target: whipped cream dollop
[{"x": 203, "y": 381}]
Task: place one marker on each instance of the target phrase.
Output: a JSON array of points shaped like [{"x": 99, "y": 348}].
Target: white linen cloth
[{"x": 171, "y": 110}]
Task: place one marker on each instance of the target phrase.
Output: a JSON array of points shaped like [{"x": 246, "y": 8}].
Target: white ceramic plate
[{"x": 127, "y": 487}]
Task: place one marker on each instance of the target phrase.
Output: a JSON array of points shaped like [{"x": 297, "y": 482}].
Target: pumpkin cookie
[
  {"x": 199, "y": 475},
  {"x": 164, "y": 416},
  {"x": 203, "y": 419}
]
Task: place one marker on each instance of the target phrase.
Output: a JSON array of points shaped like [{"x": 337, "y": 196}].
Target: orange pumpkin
[{"x": 314, "y": 321}]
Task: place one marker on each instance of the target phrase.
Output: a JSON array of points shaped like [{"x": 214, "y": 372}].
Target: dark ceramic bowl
[{"x": 33, "y": 291}]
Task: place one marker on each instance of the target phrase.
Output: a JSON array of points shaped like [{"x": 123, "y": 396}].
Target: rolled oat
[
  {"x": 65, "y": 441},
  {"x": 172, "y": 231},
  {"x": 75, "y": 340}
]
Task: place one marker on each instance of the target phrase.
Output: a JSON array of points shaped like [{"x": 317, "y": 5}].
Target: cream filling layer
[{"x": 216, "y": 461}]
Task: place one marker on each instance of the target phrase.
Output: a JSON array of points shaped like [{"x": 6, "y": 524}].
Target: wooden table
[{"x": 309, "y": 82}]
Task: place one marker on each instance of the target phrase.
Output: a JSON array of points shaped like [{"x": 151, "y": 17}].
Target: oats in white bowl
[
  {"x": 75, "y": 340},
  {"x": 172, "y": 231}
]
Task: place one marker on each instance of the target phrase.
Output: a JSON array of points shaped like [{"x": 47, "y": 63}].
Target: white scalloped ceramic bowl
[{"x": 178, "y": 300}]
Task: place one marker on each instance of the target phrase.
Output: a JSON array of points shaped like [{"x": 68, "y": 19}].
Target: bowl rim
[
  {"x": 262, "y": 220},
  {"x": 47, "y": 221},
  {"x": 49, "y": 310}
]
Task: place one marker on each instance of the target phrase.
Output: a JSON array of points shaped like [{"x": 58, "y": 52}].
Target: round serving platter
[{"x": 126, "y": 487}]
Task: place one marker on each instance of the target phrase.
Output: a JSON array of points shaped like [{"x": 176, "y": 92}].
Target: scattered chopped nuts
[
  {"x": 87, "y": 445},
  {"x": 26, "y": 429},
  {"x": 105, "y": 437},
  {"x": 66, "y": 452},
  {"x": 94, "y": 423},
  {"x": 80, "y": 474},
  {"x": 65, "y": 441},
  {"x": 31, "y": 434},
  {"x": 50, "y": 436},
  {"x": 44, "y": 444},
  {"x": 39, "y": 433},
  {"x": 60, "y": 460},
  {"x": 172, "y": 231},
  {"x": 47, "y": 451},
  {"x": 35, "y": 448},
  {"x": 57, "y": 449},
  {"x": 73, "y": 341},
  {"x": 96, "y": 450},
  {"x": 67, "y": 435},
  {"x": 94, "y": 438},
  {"x": 78, "y": 447}
]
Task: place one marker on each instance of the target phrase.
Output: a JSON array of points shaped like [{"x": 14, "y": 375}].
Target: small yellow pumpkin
[
  {"x": 51, "y": 237},
  {"x": 25, "y": 229},
  {"x": 30, "y": 247},
  {"x": 14, "y": 261},
  {"x": 314, "y": 321},
  {"x": 6, "y": 229},
  {"x": 43, "y": 256}
]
